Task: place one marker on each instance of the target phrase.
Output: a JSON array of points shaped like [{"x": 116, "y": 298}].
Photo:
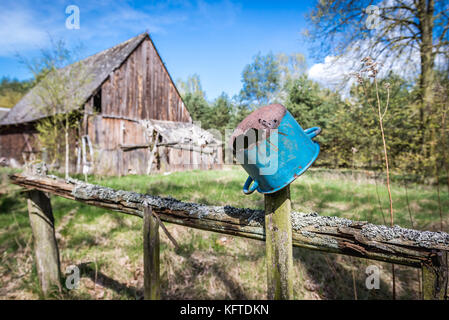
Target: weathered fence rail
[{"x": 421, "y": 249}]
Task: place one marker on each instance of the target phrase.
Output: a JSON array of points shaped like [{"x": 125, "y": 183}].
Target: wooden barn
[{"x": 133, "y": 119}]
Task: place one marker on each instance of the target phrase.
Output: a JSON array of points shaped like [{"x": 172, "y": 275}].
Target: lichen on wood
[
  {"x": 309, "y": 230},
  {"x": 425, "y": 239}
]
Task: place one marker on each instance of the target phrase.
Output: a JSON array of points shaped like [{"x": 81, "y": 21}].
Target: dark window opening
[{"x": 97, "y": 102}]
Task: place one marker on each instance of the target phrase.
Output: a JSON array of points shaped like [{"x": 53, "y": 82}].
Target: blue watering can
[{"x": 273, "y": 149}]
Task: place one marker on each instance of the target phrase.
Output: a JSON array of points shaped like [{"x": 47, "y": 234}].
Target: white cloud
[
  {"x": 26, "y": 25},
  {"x": 336, "y": 72},
  {"x": 18, "y": 31},
  {"x": 331, "y": 72}
]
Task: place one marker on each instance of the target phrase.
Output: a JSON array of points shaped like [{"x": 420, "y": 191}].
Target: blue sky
[{"x": 214, "y": 39}]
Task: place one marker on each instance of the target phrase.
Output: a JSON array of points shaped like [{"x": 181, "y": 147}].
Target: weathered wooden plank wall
[
  {"x": 18, "y": 140},
  {"x": 142, "y": 89},
  {"x": 139, "y": 89}
]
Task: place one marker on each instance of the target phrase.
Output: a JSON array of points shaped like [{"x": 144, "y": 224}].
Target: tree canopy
[
  {"x": 12, "y": 90},
  {"x": 260, "y": 80}
]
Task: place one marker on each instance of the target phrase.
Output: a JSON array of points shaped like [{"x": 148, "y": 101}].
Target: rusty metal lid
[{"x": 265, "y": 118}]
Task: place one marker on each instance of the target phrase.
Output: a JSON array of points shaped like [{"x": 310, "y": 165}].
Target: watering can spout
[{"x": 273, "y": 149}]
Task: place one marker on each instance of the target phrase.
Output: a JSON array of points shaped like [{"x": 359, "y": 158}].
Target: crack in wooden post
[
  {"x": 45, "y": 246},
  {"x": 279, "y": 250},
  {"x": 151, "y": 262}
]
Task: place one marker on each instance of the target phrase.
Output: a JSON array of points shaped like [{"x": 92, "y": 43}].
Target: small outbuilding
[{"x": 133, "y": 119}]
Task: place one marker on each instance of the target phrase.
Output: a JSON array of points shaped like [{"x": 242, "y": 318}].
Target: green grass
[
  {"x": 328, "y": 192},
  {"x": 107, "y": 246}
]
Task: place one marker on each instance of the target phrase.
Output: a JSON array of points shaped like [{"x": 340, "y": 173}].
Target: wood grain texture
[
  {"x": 135, "y": 85},
  {"x": 141, "y": 88},
  {"x": 151, "y": 256},
  {"x": 278, "y": 230},
  {"x": 46, "y": 251},
  {"x": 329, "y": 234}
]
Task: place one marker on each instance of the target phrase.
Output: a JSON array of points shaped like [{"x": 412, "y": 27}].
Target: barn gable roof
[{"x": 98, "y": 66}]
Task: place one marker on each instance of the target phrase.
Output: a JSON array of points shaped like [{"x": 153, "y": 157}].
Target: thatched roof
[{"x": 98, "y": 67}]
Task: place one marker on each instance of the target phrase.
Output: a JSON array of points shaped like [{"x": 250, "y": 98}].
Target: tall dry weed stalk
[
  {"x": 370, "y": 68},
  {"x": 442, "y": 97}
]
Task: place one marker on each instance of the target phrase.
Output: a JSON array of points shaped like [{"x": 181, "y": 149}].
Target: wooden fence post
[
  {"x": 151, "y": 255},
  {"x": 45, "y": 247},
  {"x": 435, "y": 277},
  {"x": 278, "y": 235}
]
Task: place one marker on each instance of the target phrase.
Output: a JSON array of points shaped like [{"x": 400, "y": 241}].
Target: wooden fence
[{"x": 420, "y": 249}]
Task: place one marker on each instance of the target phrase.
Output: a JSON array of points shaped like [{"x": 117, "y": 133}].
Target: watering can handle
[
  {"x": 247, "y": 184},
  {"x": 313, "y": 132}
]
